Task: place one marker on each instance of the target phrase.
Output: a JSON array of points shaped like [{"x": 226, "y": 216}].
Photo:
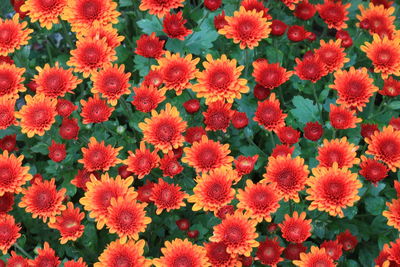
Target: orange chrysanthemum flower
[
  {"x": 46, "y": 12},
  {"x": 238, "y": 233},
  {"x": 393, "y": 213},
  {"x": 38, "y": 115},
  {"x": 7, "y": 114},
  {"x": 55, "y": 81},
  {"x": 13, "y": 174},
  {"x": 269, "y": 252},
  {"x": 69, "y": 224},
  {"x": 99, "y": 193},
  {"x": 91, "y": 55},
  {"x": 391, "y": 87},
  {"x": 218, "y": 116},
  {"x": 9, "y": 232},
  {"x": 334, "y": 13},
  {"x": 218, "y": 256},
  {"x": 270, "y": 75},
  {"x": 384, "y": 54},
  {"x": 354, "y": 87},
  {"x": 339, "y": 151},
  {"x": 317, "y": 256},
  {"x": 332, "y": 189},
  {"x": 95, "y": 110},
  {"x": 213, "y": 190},
  {"x": 207, "y": 155},
  {"x": 112, "y": 82},
  {"x": 72, "y": 263},
  {"x": 83, "y": 14},
  {"x": 247, "y": 27},
  {"x": 13, "y": 35},
  {"x": 288, "y": 174},
  {"x": 142, "y": 161},
  {"x": 147, "y": 98},
  {"x": 164, "y": 130},
  {"x": 269, "y": 114},
  {"x": 127, "y": 218},
  {"x": 180, "y": 252},
  {"x": 11, "y": 80},
  {"x": 220, "y": 80},
  {"x": 296, "y": 229},
  {"x": 385, "y": 146},
  {"x": 17, "y": 261},
  {"x": 46, "y": 257},
  {"x": 113, "y": 40},
  {"x": 167, "y": 196},
  {"x": 259, "y": 201},
  {"x": 43, "y": 200},
  {"x": 150, "y": 46},
  {"x": 343, "y": 118},
  {"x": 159, "y": 7},
  {"x": 310, "y": 68},
  {"x": 291, "y": 4},
  {"x": 177, "y": 71},
  {"x": 97, "y": 156},
  {"x": 129, "y": 253},
  {"x": 380, "y": 19},
  {"x": 332, "y": 55}
]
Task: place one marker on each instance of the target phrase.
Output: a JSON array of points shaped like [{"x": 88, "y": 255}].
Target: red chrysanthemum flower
[
  {"x": 177, "y": 71},
  {"x": 43, "y": 200},
  {"x": 342, "y": 117},
  {"x": 305, "y": 10},
  {"x": 9, "y": 232},
  {"x": 98, "y": 156},
  {"x": 380, "y": 19},
  {"x": 240, "y": 120},
  {"x": 212, "y": 5},
  {"x": 288, "y": 135},
  {"x": 225, "y": 210},
  {"x": 269, "y": 114},
  {"x": 246, "y": 27},
  {"x": 127, "y": 218},
  {"x": 270, "y": 75},
  {"x": 291, "y": 4},
  {"x": 91, "y": 54},
  {"x": 6, "y": 59},
  {"x": 331, "y": 54},
  {"x": 207, "y": 155},
  {"x": 194, "y": 134},
  {"x": 218, "y": 256},
  {"x": 392, "y": 214},
  {"x": 46, "y": 12},
  {"x": 99, "y": 193},
  {"x": 269, "y": 252},
  {"x": 72, "y": 263},
  {"x": 384, "y": 54},
  {"x": 7, "y": 114},
  {"x": 310, "y": 68},
  {"x": 57, "y": 151},
  {"x": 170, "y": 165},
  {"x": 220, "y": 21},
  {"x": 83, "y": 14},
  {"x": 256, "y": 5},
  {"x": 297, "y": 33},
  {"x": 167, "y": 196},
  {"x": 6, "y": 203},
  {"x": 383, "y": 258},
  {"x": 9, "y": 143},
  {"x": 68, "y": 223},
  {"x": 69, "y": 129},
  {"x": 192, "y": 106},
  {"x": 288, "y": 175},
  {"x": 391, "y": 87},
  {"x": 348, "y": 241},
  {"x": 317, "y": 256},
  {"x": 164, "y": 130},
  {"x": 354, "y": 87},
  {"x": 337, "y": 151},
  {"x": 160, "y": 8},
  {"x": 65, "y": 107},
  {"x": 11, "y": 79},
  {"x": 395, "y": 123},
  {"x": 17, "y": 261},
  {"x": 334, "y": 13},
  {"x": 113, "y": 40},
  {"x": 214, "y": 190},
  {"x": 153, "y": 78},
  {"x": 293, "y": 251},
  {"x": 333, "y": 249},
  {"x": 46, "y": 257},
  {"x": 180, "y": 252},
  {"x": 259, "y": 201},
  {"x": 145, "y": 191},
  {"x": 174, "y": 26},
  {"x": 332, "y": 189},
  {"x": 142, "y": 161},
  {"x": 150, "y": 46},
  {"x": 313, "y": 131},
  {"x": 296, "y": 229},
  {"x": 95, "y": 110},
  {"x": 147, "y": 98},
  {"x": 245, "y": 165},
  {"x": 373, "y": 170},
  {"x": 278, "y": 27},
  {"x": 385, "y": 146},
  {"x": 37, "y": 116},
  {"x": 218, "y": 116},
  {"x": 127, "y": 254},
  {"x": 12, "y": 174},
  {"x": 238, "y": 233},
  {"x": 13, "y": 35},
  {"x": 112, "y": 82},
  {"x": 368, "y": 129},
  {"x": 82, "y": 177},
  {"x": 219, "y": 81}
]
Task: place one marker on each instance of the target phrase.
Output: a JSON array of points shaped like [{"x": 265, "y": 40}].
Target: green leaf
[
  {"x": 41, "y": 148},
  {"x": 394, "y": 105},
  {"x": 150, "y": 25},
  {"x": 142, "y": 65},
  {"x": 350, "y": 212},
  {"x": 125, "y": 3},
  {"x": 305, "y": 110},
  {"x": 202, "y": 40},
  {"x": 374, "y": 205}
]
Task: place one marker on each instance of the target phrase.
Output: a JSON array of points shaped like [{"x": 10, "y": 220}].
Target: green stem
[
  {"x": 66, "y": 35},
  {"x": 126, "y": 107},
  {"x": 26, "y": 254},
  {"x": 246, "y": 62},
  {"x": 272, "y": 139},
  {"x": 317, "y": 100},
  {"x": 334, "y": 133},
  {"x": 49, "y": 52},
  {"x": 290, "y": 207}
]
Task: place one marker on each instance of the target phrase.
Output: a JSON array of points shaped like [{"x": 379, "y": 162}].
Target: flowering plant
[{"x": 175, "y": 133}]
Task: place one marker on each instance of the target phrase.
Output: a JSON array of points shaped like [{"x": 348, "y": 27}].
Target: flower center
[
  {"x": 285, "y": 178},
  {"x": 54, "y": 82},
  {"x": 182, "y": 261},
  {"x": 126, "y": 219},
  {"x": 234, "y": 234},
  {"x": 175, "y": 73},
  {"x": 5, "y": 83},
  {"x": 207, "y": 157},
  {"x": 47, "y": 4},
  {"x": 166, "y": 195},
  {"x": 91, "y": 55},
  {"x": 112, "y": 84},
  {"x": 334, "y": 188},
  {"x": 165, "y": 132},
  {"x": 389, "y": 148},
  {"x": 91, "y": 9},
  {"x": 215, "y": 191},
  {"x": 6, "y": 35},
  {"x": 220, "y": 80},
  {"x": 6, "y": 175},
  {"x": 39, "y": 117},
  {"x": 44, "y": 200}
]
